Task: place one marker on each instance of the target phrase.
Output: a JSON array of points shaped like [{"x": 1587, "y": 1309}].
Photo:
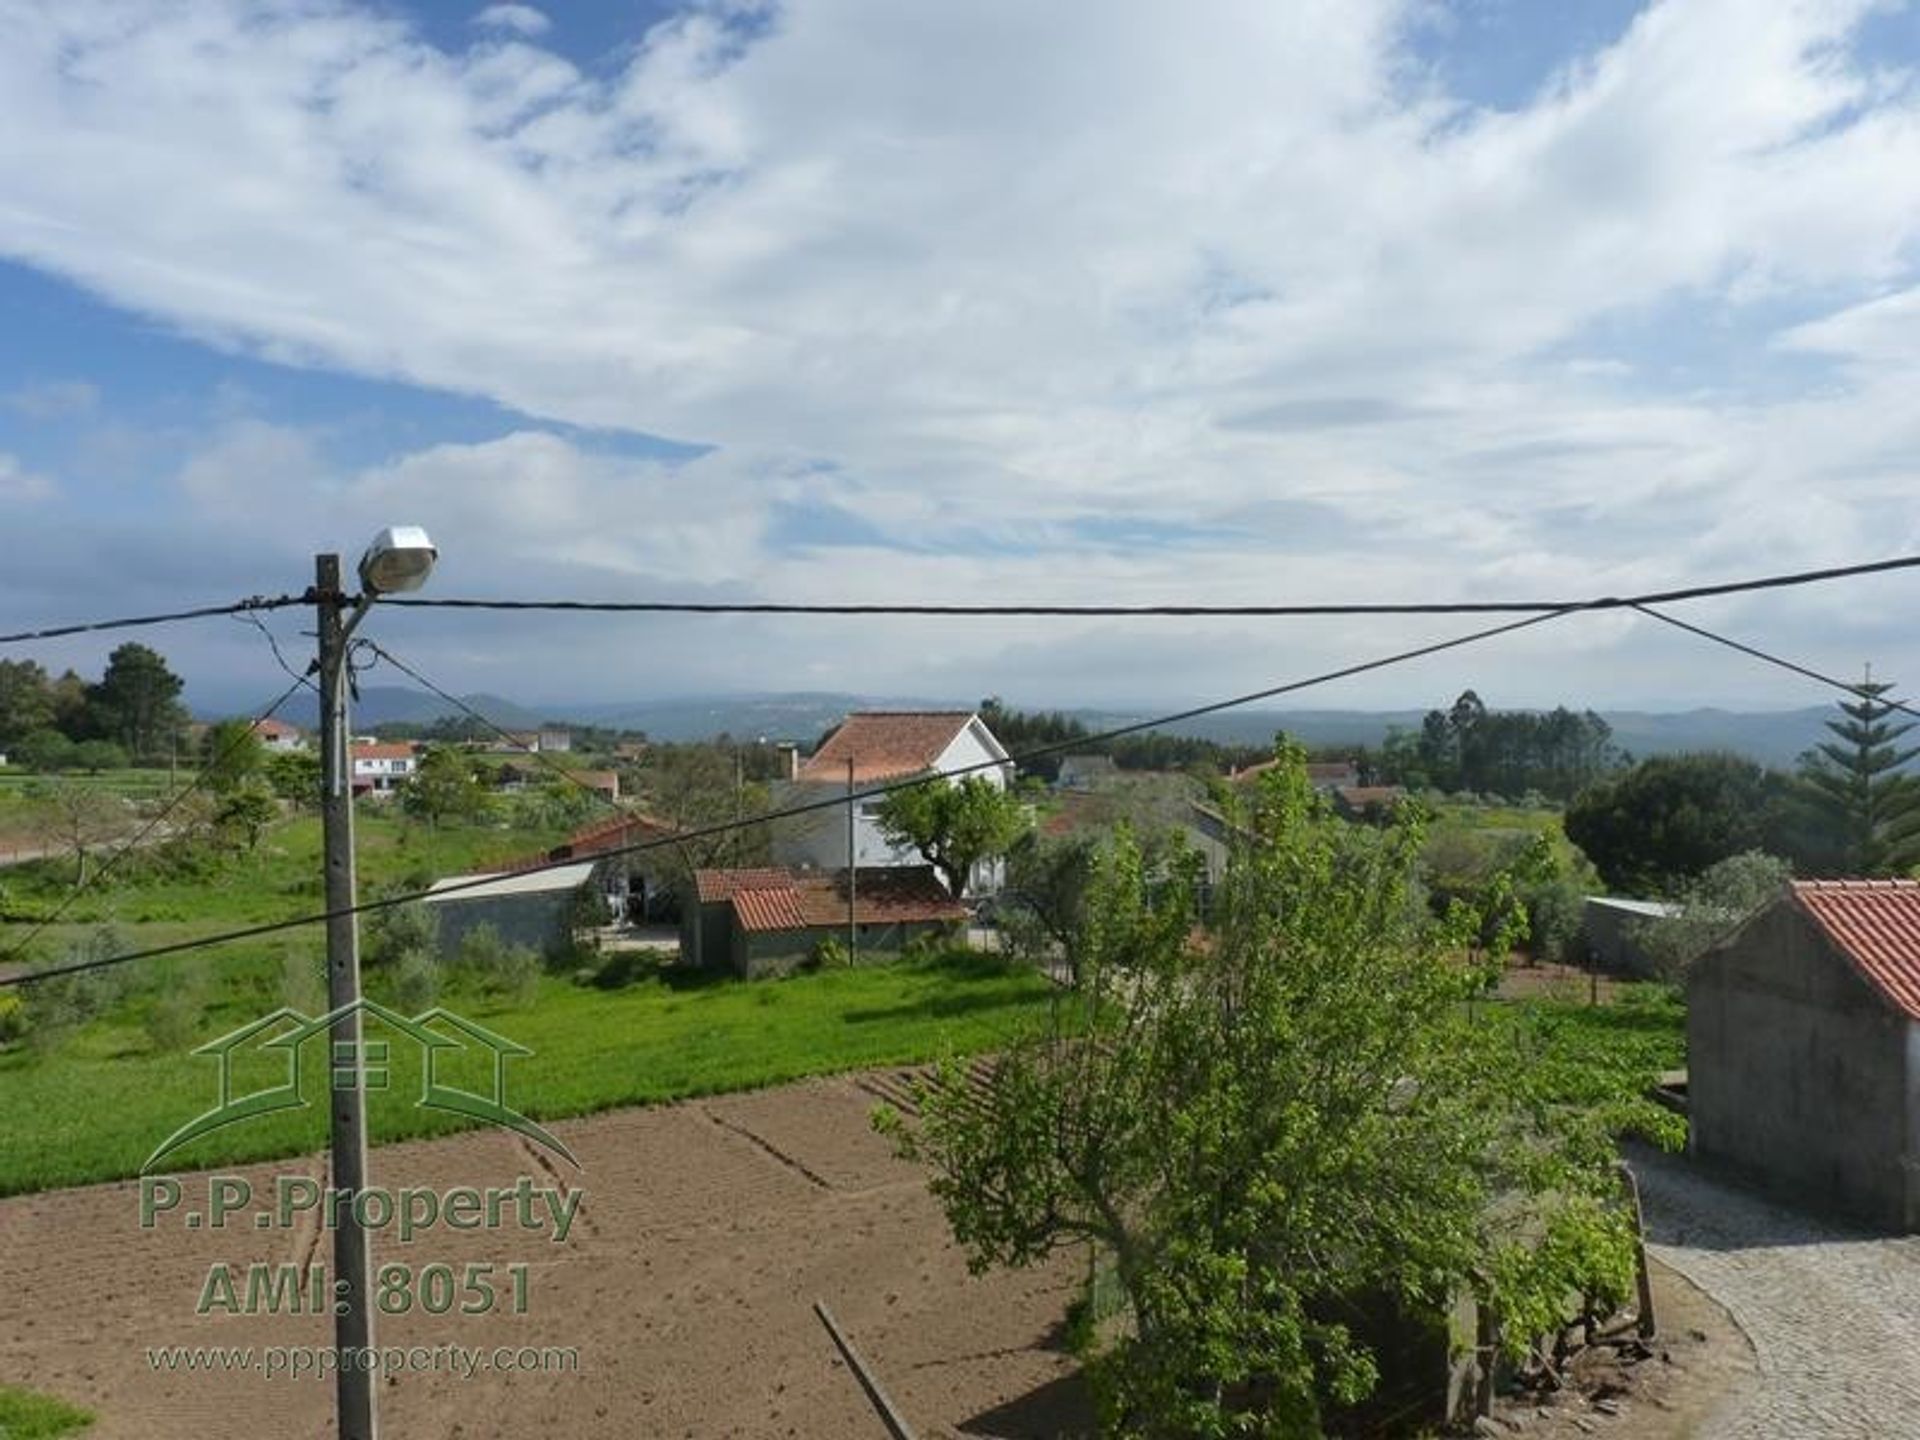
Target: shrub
[
  {"x": 1555, "y": 913},
  {"x": 416, "y": 981},
  {"x": 173, "y": 1017},
  {"x": 13, "y": 1018}
]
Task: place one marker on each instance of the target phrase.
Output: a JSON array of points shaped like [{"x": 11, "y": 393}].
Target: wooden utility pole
[
  {"x": 853, "y": 869},
  {"x": 352, "y": 1263}
]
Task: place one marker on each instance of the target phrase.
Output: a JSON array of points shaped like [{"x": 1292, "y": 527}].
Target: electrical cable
[
  {"x": 533, "y": 751},
  {"x": 1462, "y": 607},
  {"x": 836, "y": 802},
  {"x": 238, "y": 607},
  {"x": 1859, "y": 691}
]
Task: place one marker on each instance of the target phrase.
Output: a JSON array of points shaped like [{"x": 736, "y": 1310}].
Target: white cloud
[
  {"x": 19, "y": 485},
  {"x": 1015, "y": 273},
  {"x": 520, "y": 19},
  {"x": 52, "y": 399}
]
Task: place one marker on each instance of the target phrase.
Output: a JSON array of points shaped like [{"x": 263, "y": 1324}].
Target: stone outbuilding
[{"x": 1803, "y": 1048}]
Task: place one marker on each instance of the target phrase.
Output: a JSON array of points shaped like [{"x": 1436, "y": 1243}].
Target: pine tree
[{"x": 1856, "y": 784}]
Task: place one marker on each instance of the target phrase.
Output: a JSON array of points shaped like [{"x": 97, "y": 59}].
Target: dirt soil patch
[
  {"x": 706, "y": 1232},
  {"x": 1697, "y": 1367}
]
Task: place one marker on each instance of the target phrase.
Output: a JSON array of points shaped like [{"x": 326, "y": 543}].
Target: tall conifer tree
[{"x": 1857, "y": 783}]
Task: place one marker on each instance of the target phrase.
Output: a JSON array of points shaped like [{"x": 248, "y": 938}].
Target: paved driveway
[{"x": 1834, "y": 1313}]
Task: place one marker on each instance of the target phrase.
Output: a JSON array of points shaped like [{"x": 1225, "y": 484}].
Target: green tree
[
  {"x": 955, "y": 825},
  {"x": 26, "y": 701},
  {"x": 1259, "y": 1132},
  {"x": 1651, "y": 829},
  {"x": 244, "y": 813},
  {"x": 294, "y": 775},
  {"x": 93, "y": 756},
  {"x": 444, "y": 786},
  {"x": 1712, "y": 906},
  {"x": 1857, "y": 786},
  {"x": 231, "y": 755},
  {"x": 136, "y": 702}
]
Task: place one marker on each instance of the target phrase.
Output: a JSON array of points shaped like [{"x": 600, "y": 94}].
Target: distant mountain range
[{"x": 1775, "y": 737}]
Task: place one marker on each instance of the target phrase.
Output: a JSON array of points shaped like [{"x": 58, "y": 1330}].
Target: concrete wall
[
  {"x": 1609, "y": 933},
  {"x": 1798, "y": 1072},
  {"x": 537, "y": 921},
  {"x": 781, "y": 951}
]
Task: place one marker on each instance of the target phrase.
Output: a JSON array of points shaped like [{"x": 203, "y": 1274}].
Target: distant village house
[{"x": 770, "y": 920}]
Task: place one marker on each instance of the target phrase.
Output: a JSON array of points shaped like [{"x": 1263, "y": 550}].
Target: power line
[
  {"x": 835, "y": 802},
  {"x": 1461, "y": 607},
  {"x": 507, "y": 735},
  {"x": 106, "y": 868},
  {"x": 131, "y": 622},
  {"x": 686, "y": 607},
  {"x": 1859, "y": 691}
]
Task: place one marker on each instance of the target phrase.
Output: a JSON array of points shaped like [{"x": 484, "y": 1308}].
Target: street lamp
[{"x": 400, "y": 559}]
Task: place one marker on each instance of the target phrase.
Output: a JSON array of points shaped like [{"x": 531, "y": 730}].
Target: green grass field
[
  {"x": 95, "y": 1107},
  {"x": 281, "y": 878},
  {"x": 27, "y": 1416}
]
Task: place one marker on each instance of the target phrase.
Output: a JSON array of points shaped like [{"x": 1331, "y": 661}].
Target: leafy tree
[
  {"x": 1857, "y": 785},
  {"x": 1469, "y": 747},
  {"x": 1712, "y": 906},
  {"x": 955, "y": 825},
  {"x": 244, "y": 813},
  {"x": 136, "y": 702},
  {"x": 399, "y": 931},
  {"x": 293, "y": 775},
  {"x": 1259, "y": 1132},
  {"x": 697, "y": 786},
  {"x": 46, "y": 751},
  {"x": 444, "y": 786},
  {"x": 26, "y": 701},
  {"x": 1650, "y": 829},
  {"x": 93, "y": 756},
  {"x": 231, "y": 755}
]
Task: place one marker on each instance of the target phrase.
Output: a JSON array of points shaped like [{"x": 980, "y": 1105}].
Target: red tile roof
[
  {"x": 616, "y": 832},
  {"x": 271, "y": 729},
  {"x": 775, "y": 899},
  {"x": 761, "y": 910},
  {"x": 1876, "y": 924},
  {"x": 885, "y": 744},
  {"x": 716, "y": 885}
]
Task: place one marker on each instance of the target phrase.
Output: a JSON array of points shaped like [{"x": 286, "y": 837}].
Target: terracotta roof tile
[
  {"x": 774, "y": 899},
  {"x": 883, "y": 895},
  {"x": 885, "y": 744},
  {"x": 713, "y": 886},
  {"x": 774, "y": 909},
  {"x": 1876, "y": 924}
]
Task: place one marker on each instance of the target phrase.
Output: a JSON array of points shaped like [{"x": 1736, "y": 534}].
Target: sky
[{"x": 1234, "y": 302}]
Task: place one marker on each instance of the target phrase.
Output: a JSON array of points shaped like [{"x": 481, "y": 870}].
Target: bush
[
  {"x": 416, "y": 981},
  {"x": 13, "y": 1018},
  {"x": 1555, "y": 913},
  {"x": 173, "y": 1018},
  {"x": 400, "y": 931},
  {"x": 831, "y": 953},
  {"x": 511, "y": 970}
]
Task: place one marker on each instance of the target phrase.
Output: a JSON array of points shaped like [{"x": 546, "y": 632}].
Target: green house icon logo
[{"x": 438, "y": 1032}]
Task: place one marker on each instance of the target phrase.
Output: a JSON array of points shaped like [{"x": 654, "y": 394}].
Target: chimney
[{"x": 792, "y": 753}]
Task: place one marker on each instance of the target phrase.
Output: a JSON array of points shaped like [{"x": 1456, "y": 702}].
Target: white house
[
  {"x": 873, "y": 748},
  {"x": 379, "y": 768},
  {"x": 278, "y": 737}
]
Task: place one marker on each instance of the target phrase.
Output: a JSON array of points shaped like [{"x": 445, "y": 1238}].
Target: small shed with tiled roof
[
  {"x": 1803, "y": 1048},
  {"x": 770, "y": 920}
]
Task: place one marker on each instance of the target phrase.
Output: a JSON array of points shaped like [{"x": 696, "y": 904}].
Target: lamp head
[{"x": 400, "y": 559}]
